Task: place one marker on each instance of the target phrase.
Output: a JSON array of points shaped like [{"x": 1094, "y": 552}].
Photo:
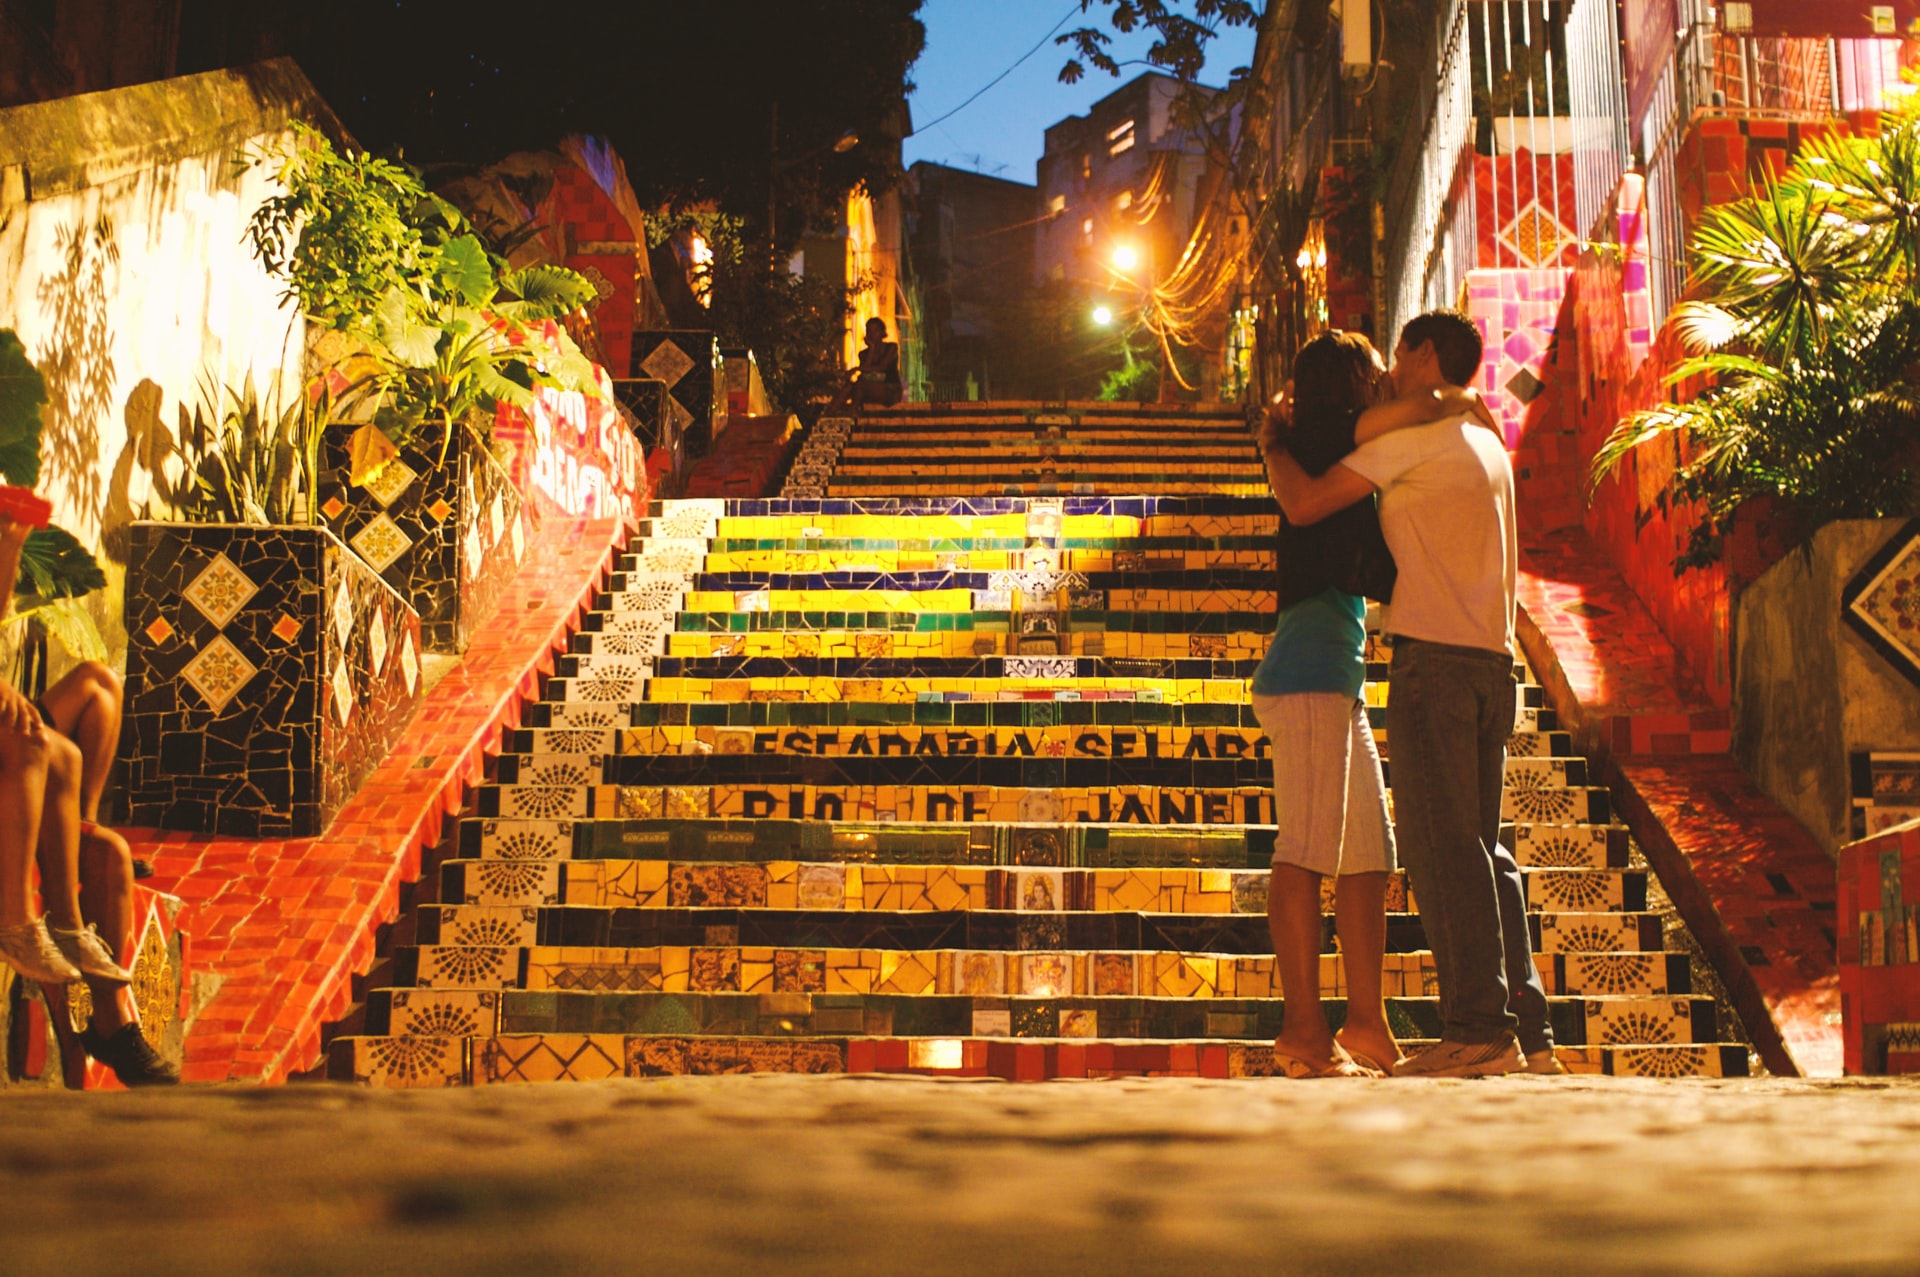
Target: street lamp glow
[
  {"x": 1103, "y": 315},
  {"x": 1125, "y": 258}
]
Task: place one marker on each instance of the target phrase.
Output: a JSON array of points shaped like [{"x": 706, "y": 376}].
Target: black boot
[{"x": 128, "y": 1055}]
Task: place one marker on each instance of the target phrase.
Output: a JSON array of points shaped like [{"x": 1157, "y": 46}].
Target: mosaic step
[
  {"x": 1035, "y": 710},
  {"x": 1524, "y": 750},
  {"x": 794, "y": 884},
  {"x": 422, "y": 1061},
  {"x": 446, "y": 932},
  {"x": 948, "y": 758},
  {"x": 1003, "y": 845},
  {"x": 672, "y": 969},
  {"x": 1079, "y": 792},
  {"x": 569, "y": 997}
]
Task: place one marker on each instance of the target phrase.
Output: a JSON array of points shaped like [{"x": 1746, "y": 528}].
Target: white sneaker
[
  {"x": 29, "y": 950},
  {"x": 1464, "y": 1059},
  {"x": 84, "y": 948}
]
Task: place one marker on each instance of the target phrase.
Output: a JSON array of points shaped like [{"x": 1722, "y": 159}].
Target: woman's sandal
[{"x": 1300, "y": 1068}]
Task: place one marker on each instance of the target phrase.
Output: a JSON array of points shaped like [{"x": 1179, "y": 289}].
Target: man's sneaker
[
  {"x": 1464, "y": 1059},
  {"x": 29, "y": 950},
  {"x": 84, "y": 948},
  {"x": 1542, "y": 1061},
  {"x": 132, "y": 1060}
]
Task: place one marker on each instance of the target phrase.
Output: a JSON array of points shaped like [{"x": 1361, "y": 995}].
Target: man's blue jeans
[{"x": 1450, "y": 711}]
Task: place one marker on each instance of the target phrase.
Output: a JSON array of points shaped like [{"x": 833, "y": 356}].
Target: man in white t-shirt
[{"x": 1446, "y": 507}]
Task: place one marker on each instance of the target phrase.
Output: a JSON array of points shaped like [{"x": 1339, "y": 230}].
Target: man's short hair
[{"x": 1455, "y": 340}]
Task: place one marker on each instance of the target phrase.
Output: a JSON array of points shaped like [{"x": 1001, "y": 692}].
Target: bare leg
[
  {"x": 23, "y": 787},
  {"x": 106, "y": 898},
  {"x": 1293, "y": 917},
  {"x": 60, "y": 835},
  {"x": 1360, "y": 918},
  {"x": 85, "y": 708}
]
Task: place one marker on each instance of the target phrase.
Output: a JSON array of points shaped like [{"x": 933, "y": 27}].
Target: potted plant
[{"x": 435, "y": 334}]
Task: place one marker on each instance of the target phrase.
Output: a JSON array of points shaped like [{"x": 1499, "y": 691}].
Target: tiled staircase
[{"x": 959, "y": 784}]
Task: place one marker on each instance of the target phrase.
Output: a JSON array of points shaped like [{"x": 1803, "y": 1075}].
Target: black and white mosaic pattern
[{"x": 269, "y": 671}]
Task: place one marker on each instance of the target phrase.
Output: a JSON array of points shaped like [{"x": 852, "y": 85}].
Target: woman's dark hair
[{"x": 1333, "y": 373}]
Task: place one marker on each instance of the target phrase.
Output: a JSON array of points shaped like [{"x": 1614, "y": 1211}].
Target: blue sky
[{"x": 971, "y": 41}]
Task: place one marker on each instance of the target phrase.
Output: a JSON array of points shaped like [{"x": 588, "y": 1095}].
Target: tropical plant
[
  {"x": 1808, "y": 328},
  {"x": 249, "y": 460},
  {"x": 364, "y": 248},
  {"x": 55, "y": 569}
]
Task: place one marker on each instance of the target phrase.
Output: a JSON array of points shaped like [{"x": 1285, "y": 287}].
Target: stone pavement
[{"x": 853, "y": 1175}]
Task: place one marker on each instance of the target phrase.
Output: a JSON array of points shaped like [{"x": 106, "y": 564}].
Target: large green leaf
[
  {"x": 542, "y": 292},
  {"x": 68, "y": 622},
  {"x": 54, "y": 565},
  {"x": 411, "y": 342},
  {"x": 23, "y": 392},
  {"x": 465, "y": 271}
]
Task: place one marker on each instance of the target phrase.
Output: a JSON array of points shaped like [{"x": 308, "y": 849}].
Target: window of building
[
  {"x": 1086, "y": 164},
  {"x": 1086, "y": 228},
  {"x": 1056, "y": 206},
  {"x": 1120, "y": 138}
]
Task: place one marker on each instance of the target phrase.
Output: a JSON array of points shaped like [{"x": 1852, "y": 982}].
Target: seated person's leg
[
  {"x": 84, "y": 706},
  {"x": 24, "y": 942},
  {"x": 60, "y": 865},
  {"x": 106, "y": 897}
]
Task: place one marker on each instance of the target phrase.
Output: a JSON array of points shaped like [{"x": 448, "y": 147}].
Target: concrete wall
[
  {"x": 122, "y": 267},
  {"x": 1808, "y": 691}
]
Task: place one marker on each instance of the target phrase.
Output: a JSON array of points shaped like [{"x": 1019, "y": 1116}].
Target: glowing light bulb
[
  {"x": 1125, "y": 258},
  {"x": 1103, "y": 315}
]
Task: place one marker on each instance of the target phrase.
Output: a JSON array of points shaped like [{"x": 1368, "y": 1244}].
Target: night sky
[{"x": 971, "y": 41}]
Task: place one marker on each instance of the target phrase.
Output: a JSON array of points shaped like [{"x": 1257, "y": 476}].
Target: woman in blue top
[{"x": 1330, "y": 804}]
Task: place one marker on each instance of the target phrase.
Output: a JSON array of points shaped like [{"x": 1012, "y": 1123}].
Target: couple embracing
[{"x": 1439, "y": 550}]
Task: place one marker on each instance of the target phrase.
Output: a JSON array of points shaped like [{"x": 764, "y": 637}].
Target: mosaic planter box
[
  {"x": 690, "y": 364},
  {"x": 269, "y": 671},
  {"x": 645, "y": 400},
  {"x": 1879, "y": 951},
  {"x": 447, "y": 537}
]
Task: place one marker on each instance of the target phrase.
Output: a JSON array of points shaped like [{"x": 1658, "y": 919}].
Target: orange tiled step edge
[{"x": 1749, "y": 881}]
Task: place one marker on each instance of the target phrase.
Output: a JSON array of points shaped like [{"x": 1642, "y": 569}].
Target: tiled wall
[
  {"x": 1879, "y": 909},
  {"x": 269, "y": 672},
  {"x": 574, "y": 455}
]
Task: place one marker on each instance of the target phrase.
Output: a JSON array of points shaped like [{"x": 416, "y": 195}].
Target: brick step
[
  {"x": 532, "y": 744},
  {"x": 983, "y": 844},
  {"x": 504, "y": 930},
  {"x": 939, "y": 579},
  {"x": 663, "y": 640},
  {"x": 949, "y": 451},
  {"x": 1035, "y": 711},
  {"x": 559, "y": 1057},
  {"x": 573, "y": 995},
  {"x": 1080, "y": 794},
  {"x": 971, "y": 756},
  {"x": 801, "y": 559},
  {"x": 891, "y": 486},
  {"x": 815, "y": 541},
  {"x": 671, "y": 969},
  {"x": 688, "y": 517},
  {"x": 790, "y": 884}
]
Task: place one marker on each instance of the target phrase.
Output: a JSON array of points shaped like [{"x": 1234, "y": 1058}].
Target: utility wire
[{"x": 1003, "y": 75}]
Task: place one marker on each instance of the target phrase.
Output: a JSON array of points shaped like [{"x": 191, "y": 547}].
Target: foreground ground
[{"x": 836, "y": 1174}]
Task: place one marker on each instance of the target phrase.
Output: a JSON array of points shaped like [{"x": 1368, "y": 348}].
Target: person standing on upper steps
[
  {"x": 1329, "y": 803},
  {"x": 1446, "y": 509}
]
